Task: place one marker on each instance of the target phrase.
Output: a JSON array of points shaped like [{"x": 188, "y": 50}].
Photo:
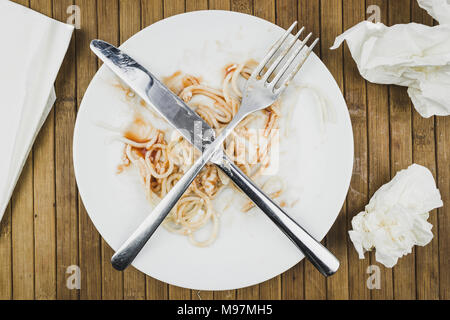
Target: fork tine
[
  {"x": 282, "y": 55},
  {"x": 291, "y": 60},
  {"x": 288, "y": 63},
  {"x": 298, "y": 67},
  {"x": 272, "y": 51},
  {"x": 300, "y": 64}
]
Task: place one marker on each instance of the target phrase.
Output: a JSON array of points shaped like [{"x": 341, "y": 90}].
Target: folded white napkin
[
  {"x": 395, "y": 220},
  {"x": 412, "y": 55},
  {"x": 33, "y": 48}
]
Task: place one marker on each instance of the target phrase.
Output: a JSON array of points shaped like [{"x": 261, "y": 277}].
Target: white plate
[{"x": 249, "y": 249}]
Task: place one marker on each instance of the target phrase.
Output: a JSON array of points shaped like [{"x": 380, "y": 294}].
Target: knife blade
[
  {"x": 200, "y": 134},
  {"x": 191, "y": 126}
]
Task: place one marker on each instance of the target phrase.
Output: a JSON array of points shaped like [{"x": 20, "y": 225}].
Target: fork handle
[{"x": 319, "y": 256}]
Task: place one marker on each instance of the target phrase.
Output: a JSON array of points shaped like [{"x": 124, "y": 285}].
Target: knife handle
[{"x": 319, "y": 256}]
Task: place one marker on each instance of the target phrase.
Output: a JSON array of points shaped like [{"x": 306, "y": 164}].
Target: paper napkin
[
  {"x": 33, "y": 48},
  {"x": 412, "y": 55},
  {"x": 395, "y": 220},
  {"x": 438, "y": 9}
]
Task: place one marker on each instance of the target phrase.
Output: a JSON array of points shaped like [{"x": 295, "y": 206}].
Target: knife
[{"x": 195, "y": 130}]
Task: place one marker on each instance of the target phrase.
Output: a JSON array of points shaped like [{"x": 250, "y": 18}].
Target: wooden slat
[
  {"x": 152, "y": 11},
  {"x": 129, "y": 18},
  {"x": 23, "y": 235},
  {"x": 308, "y": 15},
  {"x": 193, "y": 5},
  {"x": 112, "y": 280},
  {"x": 355, "y": 94},
  {"x": 66, "y": 192},
  {"x": 424, "y": 153},
  {"x": 202, "y": 295},
  {"x": 134, "y": 284},
  {"x": 219, "y": 5},
  {"x": 178, "y": 293},
  {"x": 401, "y": 158},
  {"x": 442, "y": 136},
  {"x": 44, "y": 197},
  {"x": 244, "y": 6},
  {"x": 89, "y": 239},
  {"x": 25, "y": 3},
  {"x": 250, "y": 293},
  {"x": 292, "y": 281},
  {"x": 173, "y": 7},
  {"x": 265, "y": 9},
  {"x": 6, "y": 256},
  {"x": 336, "y": 240},
  {"x": 22, "y": 224},
  {"x": 378, "y": 124},
  {"x": 443, "y": 171},
  {"x": 130, "y": 23},
  {"x": 271, "y": 289},
  {"x": 156, "y": 290},
  {"x": 108, "y": 30},
  {"x": 286, "y": 13}
]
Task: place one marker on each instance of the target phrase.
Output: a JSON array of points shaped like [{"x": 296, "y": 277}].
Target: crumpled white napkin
[
  {"x": 412, "y": 55},
  {"x": 33, "y": 48},
  {"x": 438, "y": 9},
  {"x": 395, "y": 220}
]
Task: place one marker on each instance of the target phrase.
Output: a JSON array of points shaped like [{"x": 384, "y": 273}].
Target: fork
[{"x": 266, "y": 84}]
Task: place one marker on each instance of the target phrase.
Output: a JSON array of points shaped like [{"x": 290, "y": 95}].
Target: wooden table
[{"x": 46, "y": 228}]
